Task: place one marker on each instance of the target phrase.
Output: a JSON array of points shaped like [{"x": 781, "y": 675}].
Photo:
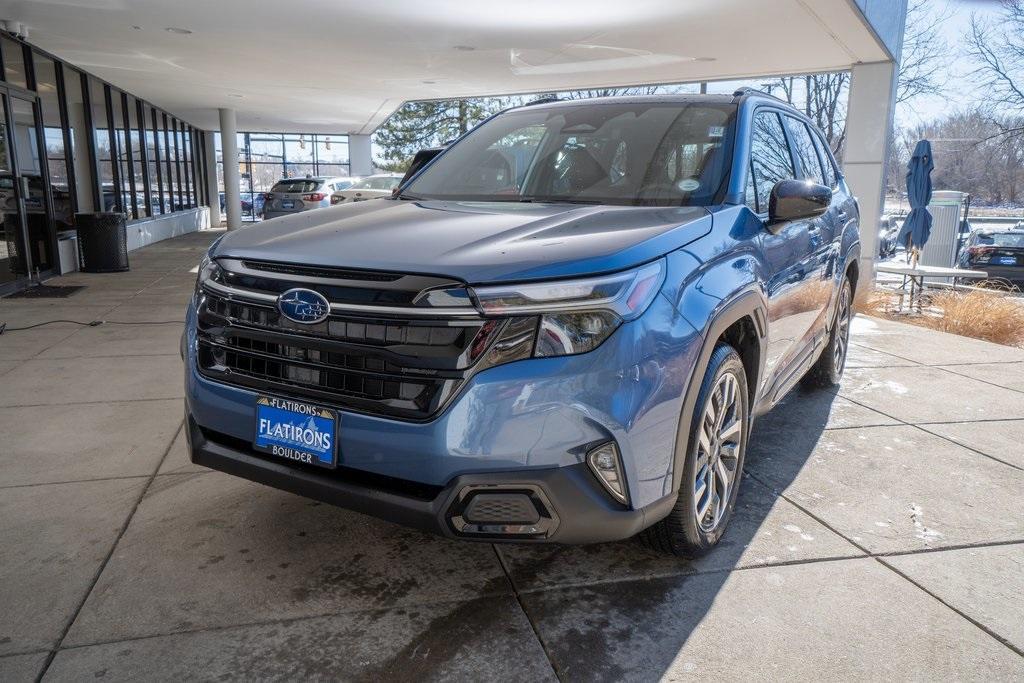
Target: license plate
[
  {"x": 1007, "y": 260},
  {"x": 287, "y": 205},
  {"x": 296, "y": 431}
]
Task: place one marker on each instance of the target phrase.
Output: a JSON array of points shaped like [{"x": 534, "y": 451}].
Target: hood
[{"x": 475, "y": 242}]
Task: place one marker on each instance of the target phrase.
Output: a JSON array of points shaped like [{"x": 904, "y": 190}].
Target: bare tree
[
  {"x": 997, "y": 46},
  {"x": 922, "y": 64}
]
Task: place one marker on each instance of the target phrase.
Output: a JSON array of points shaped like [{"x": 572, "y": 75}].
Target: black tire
[
  {"x": 827, "y": 371},
  {"x": 683, "y": 532}
]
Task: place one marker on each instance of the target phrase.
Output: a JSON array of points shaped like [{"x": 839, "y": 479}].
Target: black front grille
[
  {"x": 401, "y": 368},
  {"x": 322, "y": 272}
]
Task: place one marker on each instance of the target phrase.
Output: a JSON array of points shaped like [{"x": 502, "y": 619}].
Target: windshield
[
  {"x": 298, "y": 185},
  {"x": 1002, "y": 239},
  {"x": 382, "y": 183},
  {"x": 635, "y": 153}
]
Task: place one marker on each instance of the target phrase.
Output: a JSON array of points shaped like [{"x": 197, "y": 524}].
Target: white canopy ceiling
[{"x": 340, "y": 66}]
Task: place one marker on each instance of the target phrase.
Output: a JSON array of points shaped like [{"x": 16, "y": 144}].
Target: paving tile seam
[
  {"x": 977, "y": 379},
  {"x": 111, "y": 403},
  {"x": 52, "y": 404},
  {"x": 916, "y": 425},
  {"x": 868, "y": 553},
  {"x": 984, "y": 362},
  {"x": 982, "y": 627},
  {"x": 949, "y": 548},
  {"x": 110, "y": 553},
  {"x": 439, "y": 602},
  {"x": 688, "y": 572},
  {"x": 929, "y": 423},
  {"x": 881, "y": 560},
  {"x": 526, "y": 613},
  {"x": 95, "y": 479},
  {"x": 24, "y": 653},
  {"x": 782, "y": 494},
  {"x": 913, "y": 363},
  {"x": 971, "y": 448}
]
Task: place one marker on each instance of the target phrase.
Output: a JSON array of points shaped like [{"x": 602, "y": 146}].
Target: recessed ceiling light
[
  {"x": 430, "y": 82},
  {"x": 233, "y": 94},
  {"x": 179, "y": 31},
  {"x": 464, "y": 48},
  {"x": 704, "y": 59},
  {"x": 137, "y": 28}
]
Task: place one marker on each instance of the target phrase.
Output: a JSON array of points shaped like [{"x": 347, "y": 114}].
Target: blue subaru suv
[{"x": 558, "y": 330}]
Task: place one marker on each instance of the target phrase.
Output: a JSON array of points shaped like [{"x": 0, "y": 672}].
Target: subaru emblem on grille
[{"x": 304, "y": 306}]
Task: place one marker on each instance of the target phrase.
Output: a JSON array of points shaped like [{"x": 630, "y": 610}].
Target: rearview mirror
[{"x": 793, "y": 200}]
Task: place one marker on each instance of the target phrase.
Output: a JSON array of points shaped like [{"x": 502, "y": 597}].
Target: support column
[
  {"x": 360, "y": 155},
  {"x": 868, "y": 126},
  {"x": 85, "y": 176},
  {"x": 232, "y": 182},
  {"x": 212, "y": 191}
]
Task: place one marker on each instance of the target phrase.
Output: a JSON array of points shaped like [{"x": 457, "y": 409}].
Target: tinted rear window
[
  {"x": 298, "y": 185},
  {"x": 1002, "y": 239}
]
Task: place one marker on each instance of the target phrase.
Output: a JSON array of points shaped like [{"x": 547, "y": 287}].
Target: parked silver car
[
  {"x": 370, "y": 187},
  {"x": 292, "y": 195}
]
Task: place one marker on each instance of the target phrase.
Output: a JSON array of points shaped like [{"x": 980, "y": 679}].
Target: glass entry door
[{"x": 26, "y": 237}]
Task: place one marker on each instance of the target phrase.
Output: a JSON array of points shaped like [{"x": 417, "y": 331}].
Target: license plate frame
[
  {"x": 297, "y": 431},
  {"x": 287, "y": 204},
  {"x": 1007, "y": 260}
]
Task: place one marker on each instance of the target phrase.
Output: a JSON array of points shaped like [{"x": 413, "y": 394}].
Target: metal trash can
[
  {"x": 102, "y": 242},
  {"x": 67, "y": 251}
]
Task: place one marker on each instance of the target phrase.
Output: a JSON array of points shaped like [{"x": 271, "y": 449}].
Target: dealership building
[{"x": 133, "y": 107}]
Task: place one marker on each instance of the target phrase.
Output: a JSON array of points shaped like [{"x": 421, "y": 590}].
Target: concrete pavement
[{"x": 879, "y": 533}]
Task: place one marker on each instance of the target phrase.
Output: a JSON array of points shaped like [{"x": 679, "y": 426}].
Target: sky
[{"x": 960, "y": 91}]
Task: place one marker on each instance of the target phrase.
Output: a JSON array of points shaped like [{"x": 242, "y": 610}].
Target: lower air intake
[{"x": 494, "y": 511}]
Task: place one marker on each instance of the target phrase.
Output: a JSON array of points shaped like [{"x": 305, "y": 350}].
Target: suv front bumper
[{"x": 572, "y": 506}]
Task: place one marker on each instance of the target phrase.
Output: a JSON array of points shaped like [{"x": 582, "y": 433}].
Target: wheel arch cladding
[{"x": 742, "y": 321}]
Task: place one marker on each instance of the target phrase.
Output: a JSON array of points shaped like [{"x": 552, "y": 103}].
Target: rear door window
[
  {"x": 831, "y": 177},
  {"x": 296, "y": 185},
  {"x": 803, "y": 145},
  {"x": 770, "y": 159}
]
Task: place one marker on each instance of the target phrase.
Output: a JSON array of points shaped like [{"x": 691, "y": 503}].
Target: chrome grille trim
[{"x": 250, "y": 296}]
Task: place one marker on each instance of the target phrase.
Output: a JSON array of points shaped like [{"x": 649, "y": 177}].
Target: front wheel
[
  {"x": 713, "y": 464},
  {"x": 828, "y": 370}
]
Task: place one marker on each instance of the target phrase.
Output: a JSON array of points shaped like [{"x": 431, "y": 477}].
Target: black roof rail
[
  {"x": 747, "y": 90},
  {"x": 543, "y": 99}
]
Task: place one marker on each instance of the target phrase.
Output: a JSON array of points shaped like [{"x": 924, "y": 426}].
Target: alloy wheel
[
  {"x": 842, "y": 331},
  {"x": 719, "y": 440}
]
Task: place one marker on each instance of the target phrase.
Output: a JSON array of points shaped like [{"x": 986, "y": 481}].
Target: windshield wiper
[
  {"x": 406, "y": 195},
  {"x": 559, "y": 200}
]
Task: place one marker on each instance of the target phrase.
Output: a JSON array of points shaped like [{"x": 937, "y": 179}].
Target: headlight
[
  {"x": 208, "y": 270},
  {"x": 576, "y": 315}
]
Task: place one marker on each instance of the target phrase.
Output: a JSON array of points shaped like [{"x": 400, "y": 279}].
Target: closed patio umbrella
[{"x": 918, "y": 225}]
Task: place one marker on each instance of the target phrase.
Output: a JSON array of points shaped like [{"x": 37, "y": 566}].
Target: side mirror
[
  {"x": 421, "y": 159},
  {"x": 793, "y": 200}
]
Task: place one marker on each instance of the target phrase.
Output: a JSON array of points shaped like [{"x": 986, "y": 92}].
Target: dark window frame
[
  {"x": 156, "y": 160},
  {"x": 129, "y": 158},
  {"x": 140, "y": 119},
  {"x": 65, "y": 124}
]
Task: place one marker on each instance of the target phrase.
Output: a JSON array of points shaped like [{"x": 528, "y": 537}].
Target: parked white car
[{"x": 370, "y": 187}]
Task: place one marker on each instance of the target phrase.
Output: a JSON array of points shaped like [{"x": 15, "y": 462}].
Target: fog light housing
[{"x": 606, "y": 464}]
